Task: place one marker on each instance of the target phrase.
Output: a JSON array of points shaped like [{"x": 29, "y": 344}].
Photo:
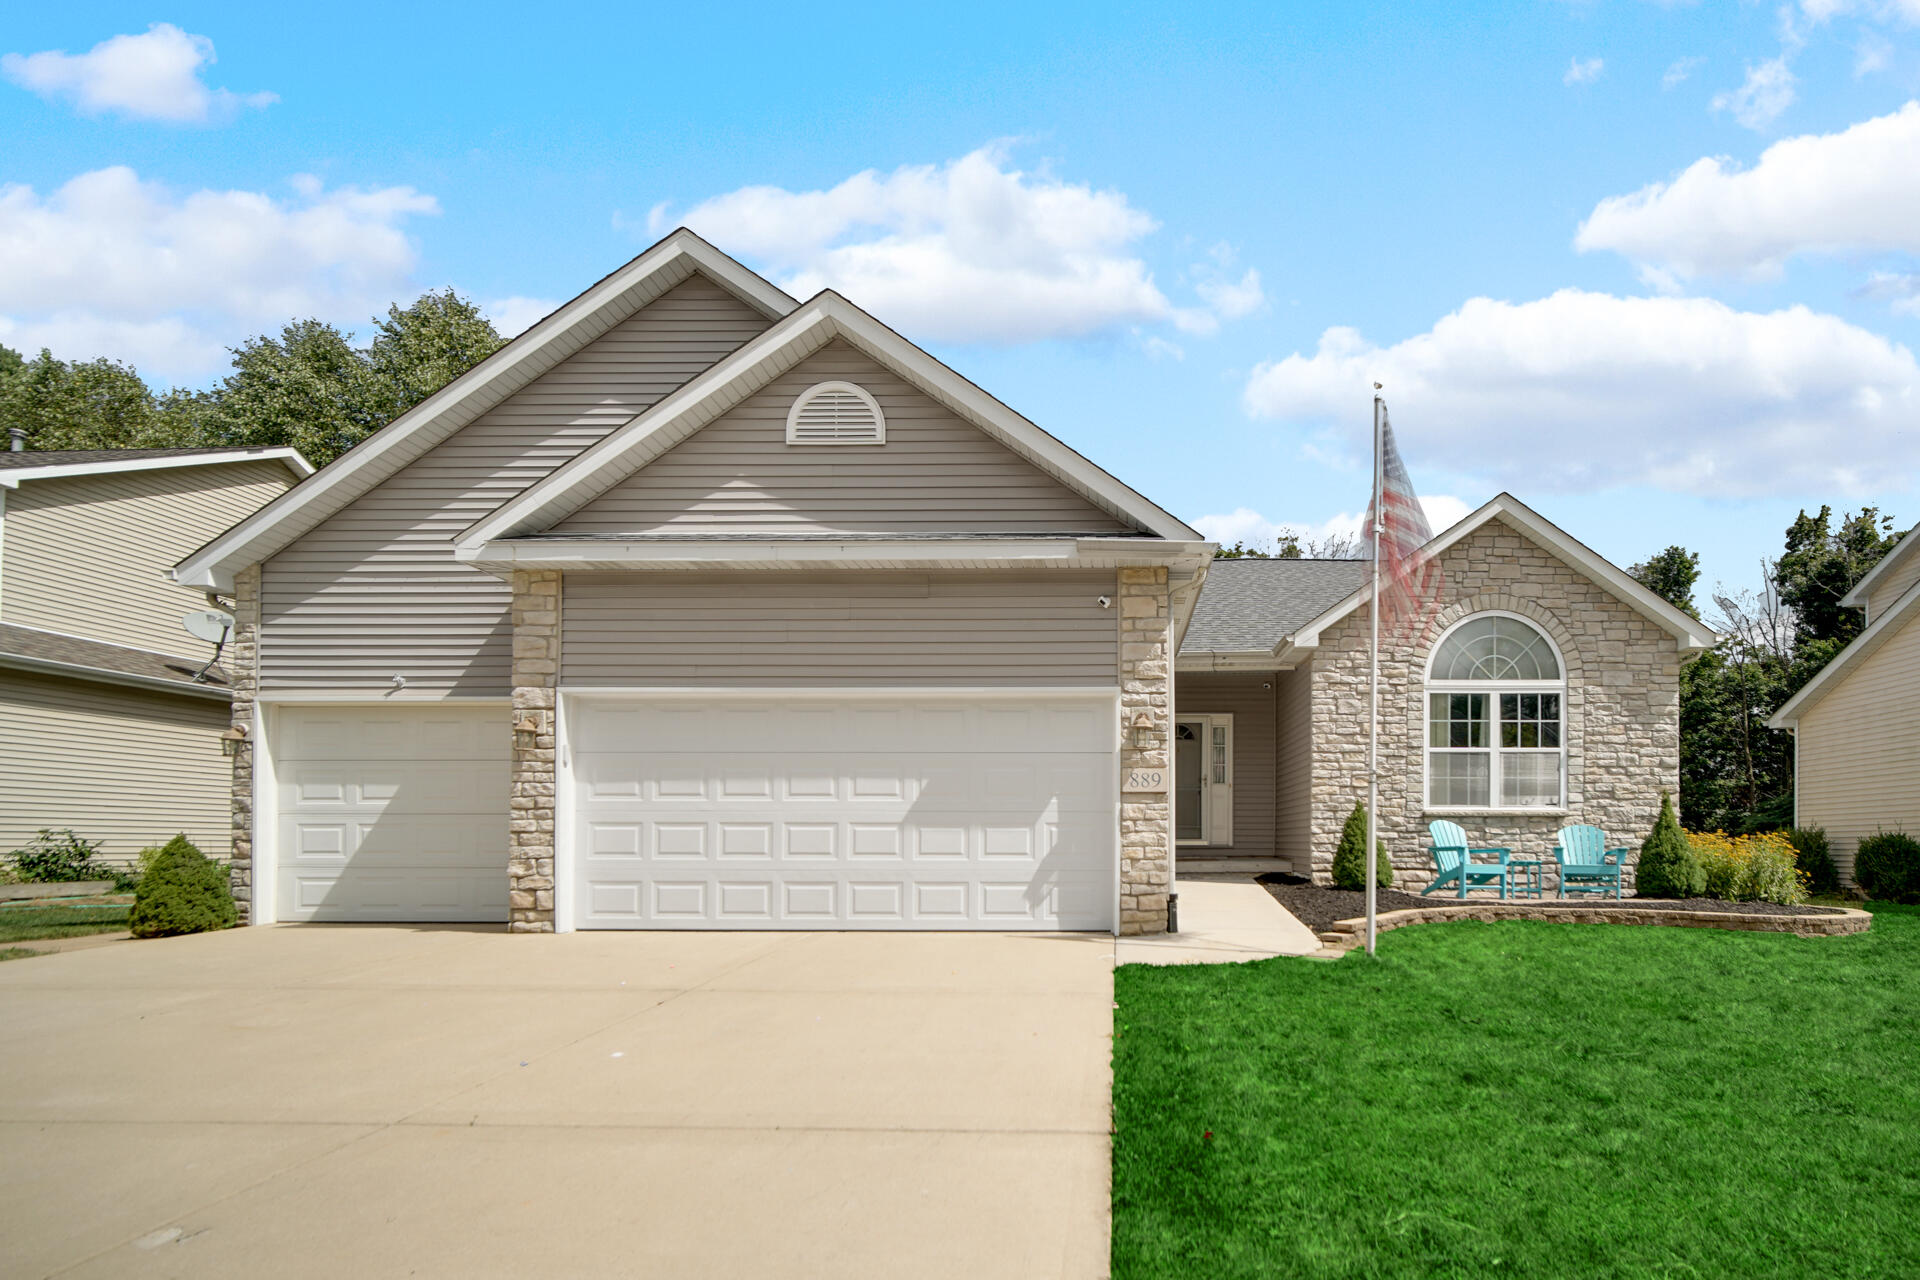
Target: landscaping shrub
[
  {"x": 1349, "y": 859},
  {"x": 1887, "y": 866},
  {"x": 183, "y": 891},
  {"x": 1669, "y": 868},
  {"x": 1752, "y": 868},
  {"x": 59, "y": 857},
  {"x": 1815, "y": 859}
]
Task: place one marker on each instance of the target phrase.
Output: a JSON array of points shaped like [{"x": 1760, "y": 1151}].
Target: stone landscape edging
[{"x": 1835, "y": 922}]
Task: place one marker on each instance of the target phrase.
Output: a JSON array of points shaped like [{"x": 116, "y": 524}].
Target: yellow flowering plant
[{"x": 1755, "y": 868}]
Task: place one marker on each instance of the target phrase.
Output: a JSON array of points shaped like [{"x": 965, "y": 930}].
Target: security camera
[{"x": 1106, "y": 602}]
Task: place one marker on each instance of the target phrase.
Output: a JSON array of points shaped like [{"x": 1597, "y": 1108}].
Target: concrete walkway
[
  {"x": 1222, "y": 922},
  {"x": 372, "y": 1101}
]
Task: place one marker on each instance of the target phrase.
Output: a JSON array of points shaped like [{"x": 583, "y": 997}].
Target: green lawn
[
  {"x": 23, "y": 922},
  {"x": 1531, "y": 1099}
]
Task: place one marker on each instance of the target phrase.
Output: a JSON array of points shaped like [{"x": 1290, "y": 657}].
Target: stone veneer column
[
  {"x": 1146, "y": 733},
  {"x": 536, "y": 670},
  {"x": 241, "y": 662}
]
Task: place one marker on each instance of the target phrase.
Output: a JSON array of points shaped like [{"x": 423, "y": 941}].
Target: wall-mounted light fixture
[
  {"x": 230, "y": 740},
  {"x": 525, "y": 730},
  {"x": 1143, "y": 732}
]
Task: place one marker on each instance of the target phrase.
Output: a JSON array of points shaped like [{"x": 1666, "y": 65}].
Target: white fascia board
[
  {"x": 102, "y": 675},
  {"x": 1694, "y": 636},
  {"x": 822, "y": 318},
  {"x": 458, "y": 403},
  {"x": 14, "y": 477},
  {"x": 1878, "y": 632},
  {"x": 1068, "y": 552},
  {"x": 1229, "y": 660},
  {"x": 1909, "y": 545}
]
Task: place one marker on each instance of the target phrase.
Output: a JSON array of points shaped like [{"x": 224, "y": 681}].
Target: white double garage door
[{"x": 786, "y": 811}]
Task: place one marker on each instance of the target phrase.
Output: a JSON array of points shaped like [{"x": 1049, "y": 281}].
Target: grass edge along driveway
[{"x": 1528, "y": 1099}]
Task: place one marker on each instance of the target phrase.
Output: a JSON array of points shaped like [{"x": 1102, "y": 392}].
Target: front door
[{"x": 1190, "y": 781}]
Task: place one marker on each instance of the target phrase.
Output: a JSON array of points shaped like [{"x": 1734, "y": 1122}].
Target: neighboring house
[
  {"x": 1544, "y": 691},
  {"x": 699, "y": 607},
  {"x": 1856, "y": 725},
  {"x": 104, "y": 727}
]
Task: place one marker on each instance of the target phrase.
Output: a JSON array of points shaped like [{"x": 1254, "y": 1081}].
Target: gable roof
[
  {"x": 55, "y": 653},
  {"x": 1250, "y": 603},
  {"x": 1692, "y": 634},
  {"x": 49, "y": 464},
  {"x": 823, "y": 318},
  {"x": 1864, "y": 645},
  {"x": 568, "y": 329},
  {"x": 1903, "y": 550}
]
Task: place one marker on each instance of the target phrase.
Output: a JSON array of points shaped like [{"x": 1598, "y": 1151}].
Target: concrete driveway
[{"x": 382, "y": 1101}]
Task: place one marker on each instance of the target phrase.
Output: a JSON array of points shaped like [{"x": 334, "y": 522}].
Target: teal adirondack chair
[
  {"x": 1586, "y": 864},
  {"x": 1456, "y": 865}
]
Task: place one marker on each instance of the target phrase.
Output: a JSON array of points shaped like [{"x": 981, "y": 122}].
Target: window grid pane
[
  {"x": 1529, "y": 778},
  {"x": 1459, "y": 778}
]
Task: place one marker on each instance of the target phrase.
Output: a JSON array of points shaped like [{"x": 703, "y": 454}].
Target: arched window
[{"x": 1496, "y": 717}]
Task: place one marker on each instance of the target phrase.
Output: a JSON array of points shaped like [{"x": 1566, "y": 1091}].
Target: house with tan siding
[
  {"x": 110, "y": 719},
  {"x": 698, "y": 606},
  {"x": 1856, "y": 750}
]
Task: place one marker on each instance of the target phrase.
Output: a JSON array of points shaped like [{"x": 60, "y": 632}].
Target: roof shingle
[{"x": 1254, "y": 604}]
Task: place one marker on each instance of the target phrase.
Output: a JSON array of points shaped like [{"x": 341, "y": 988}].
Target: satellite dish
[{"x": 210, "y": 625}]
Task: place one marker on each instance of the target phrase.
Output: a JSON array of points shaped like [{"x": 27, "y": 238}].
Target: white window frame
[
  {"x": 1216, "y": 797},
  {"x": 1493, "y": 689},
  {"x": 859, "y": 393}
]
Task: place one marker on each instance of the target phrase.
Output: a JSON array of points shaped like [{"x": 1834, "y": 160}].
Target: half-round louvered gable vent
[{"x": 836, "y": 413}]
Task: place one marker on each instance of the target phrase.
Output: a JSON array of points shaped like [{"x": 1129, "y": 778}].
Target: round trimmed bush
[
  {"x": 183, "y": 891},
  {"x": 1350, "y": 859},
  {"x": 1887, "y": 866}
]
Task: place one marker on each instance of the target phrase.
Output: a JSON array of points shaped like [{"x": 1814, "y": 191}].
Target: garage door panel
[
  {"x": 917, "y": 813},
  {"x": 391, "y": 813}
]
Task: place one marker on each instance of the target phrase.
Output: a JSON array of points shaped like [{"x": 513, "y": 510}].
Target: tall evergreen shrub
[
  {"x": 1887, "y": 865},
  {"x": 1669, "y": 868},
  {"x": 183, "y": 891},
  {"x": 1814, "y": 858},
  {"x": 1350, "y": 859}
]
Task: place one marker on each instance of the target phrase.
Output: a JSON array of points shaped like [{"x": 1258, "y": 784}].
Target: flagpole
[{"x": 1373, "y": 686}]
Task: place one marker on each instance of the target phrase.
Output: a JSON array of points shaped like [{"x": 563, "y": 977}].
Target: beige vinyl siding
[
  {"x": 935, "y": 473},
  {"x": 1293, "y": 767},
  {"x": 374, "y": 590},
  {"x": 1859, "y": 748},
  {"x": 861, "y": 629},
  {"x": 1250, "y": 698},
  {"x": 88, "y": 555},
  {"x": 1889, "y": 589},
  {"x": 123, "y": 766}
]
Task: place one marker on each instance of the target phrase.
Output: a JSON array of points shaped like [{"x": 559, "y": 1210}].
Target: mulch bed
[{"x": 1319, "y": 906}]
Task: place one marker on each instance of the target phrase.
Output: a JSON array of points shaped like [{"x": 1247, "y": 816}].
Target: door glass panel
[
  {"x": 1189, "y": 814},
  {"x": 1219, "y": 762}
]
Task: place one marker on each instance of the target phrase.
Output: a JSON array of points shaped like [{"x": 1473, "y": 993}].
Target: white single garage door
[
  {"x": 391, "y": 813},
  {"x": 836, "y": 812}
]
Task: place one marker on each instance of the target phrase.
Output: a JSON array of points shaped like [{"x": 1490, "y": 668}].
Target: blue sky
[{"x": 1066, "y": 204}]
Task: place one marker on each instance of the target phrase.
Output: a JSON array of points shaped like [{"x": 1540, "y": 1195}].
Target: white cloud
[
  {"x": 972, "y": 250},
  {"x": 110, "y": 265},
  {"x": 1769, "y": 90},
  {"x": 1247, "y": 526},
  {"x": 1899, "y": 289},
  {"x": 1871, "y": 55},
  {"x": 1233, "y": 299},
  {"x": 514, "y": 316},
  {"x": 1583, "y": 70},
  {"x": 1583, "y": 391},
  {"x": 1853, "y": 191},
  {"x": 1678, "y": 72},
  {"x": 1903, "y": 11},
  {"x": 153, "y": 76}
]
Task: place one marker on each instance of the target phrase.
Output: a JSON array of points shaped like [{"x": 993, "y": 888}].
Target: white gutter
[{"x": 13, "y": 477}]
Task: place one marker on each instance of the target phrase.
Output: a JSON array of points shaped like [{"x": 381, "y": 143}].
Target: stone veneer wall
[
  {"x": 536, "y": 671},
  {"x": 1146, "y": 690},
  {"x": 1622, "y": 712},
  {"x": 241, "y": 662}
]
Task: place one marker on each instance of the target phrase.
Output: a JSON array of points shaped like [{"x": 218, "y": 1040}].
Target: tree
[
  {"x": 1241, "y": 551},
  {"x": 1669, "y": 868},
  {"x": 1822, "y": 564},
  {"x": 1350, "y": 859},
  {"x": 417, "y": 351},
  {"x": 87, "y": 404},
  {"x": 1671, "y": 575}
]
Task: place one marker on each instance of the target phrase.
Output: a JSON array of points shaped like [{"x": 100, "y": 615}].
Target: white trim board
[
  {"x": 1864, "y": 645},
  {"x": 1694, "y": 636},
  {"x": 14, "y": 477},
  {"x": 821, "y": 320},
  {"x": 565, "y": 331},
  {"x": 506, "y": 554}
]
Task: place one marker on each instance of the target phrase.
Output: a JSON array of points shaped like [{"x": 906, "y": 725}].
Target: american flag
[{"x": 1410, "y": 582}]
